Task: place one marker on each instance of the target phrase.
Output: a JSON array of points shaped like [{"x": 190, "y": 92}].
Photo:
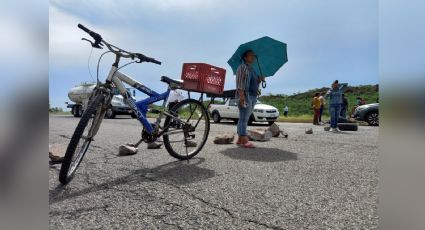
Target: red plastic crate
[{"x": 202, "y": 77}]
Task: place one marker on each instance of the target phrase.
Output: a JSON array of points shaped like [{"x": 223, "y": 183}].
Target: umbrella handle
[{"x": 263, "y": 83}]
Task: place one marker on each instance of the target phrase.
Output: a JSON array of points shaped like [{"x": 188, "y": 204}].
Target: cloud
[
  {"x": 326, "y": 39},
  {"x": 64, "y": 42}
]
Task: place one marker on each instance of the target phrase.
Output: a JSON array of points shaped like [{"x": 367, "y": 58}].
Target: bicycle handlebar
[
  {"x": 98, "y": 40},
  {"x": 148, "y": 59}
]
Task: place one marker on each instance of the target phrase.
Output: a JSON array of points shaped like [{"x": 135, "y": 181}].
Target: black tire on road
[
  {"x": 65, "y": 175},
  {"x": 372, "y": 118},
  {"x": 77, "y": 110},
  {"x": 348, "y": 126},
  {"x": 199, "y": 146},
  {"x": 110, "y": 114},
  {"x": 216, "y": 117}
]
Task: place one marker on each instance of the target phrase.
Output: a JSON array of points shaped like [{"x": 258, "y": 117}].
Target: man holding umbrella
[{"x": 251, "y": 63}]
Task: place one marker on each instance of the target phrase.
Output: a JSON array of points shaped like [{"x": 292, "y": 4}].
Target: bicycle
[{"x": 184, "y": 131}]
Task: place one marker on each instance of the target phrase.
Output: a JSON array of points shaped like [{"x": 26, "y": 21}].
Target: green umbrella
[{"x": 271, "y": 55}]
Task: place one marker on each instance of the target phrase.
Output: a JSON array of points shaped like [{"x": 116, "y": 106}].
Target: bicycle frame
[{"x": 140, "y": 108}]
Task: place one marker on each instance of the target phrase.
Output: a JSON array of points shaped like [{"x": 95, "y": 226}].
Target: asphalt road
[{"x": 318, "y": 181}]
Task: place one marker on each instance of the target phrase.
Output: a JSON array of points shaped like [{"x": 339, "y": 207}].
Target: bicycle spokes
[{"x": 187, "y": 129}]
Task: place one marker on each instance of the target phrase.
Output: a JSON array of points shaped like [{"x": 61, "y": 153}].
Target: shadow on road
[
  {"x": 174, "y": 174},
  {"x": 260, "y": 154},
  {"x": 179, "y": 172}
]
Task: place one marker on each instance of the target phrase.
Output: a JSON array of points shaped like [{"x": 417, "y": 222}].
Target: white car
[{"x": 229, "y": 110}]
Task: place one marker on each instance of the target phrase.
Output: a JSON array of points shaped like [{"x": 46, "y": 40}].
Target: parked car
[
  {"x": 229, "y": 110},
  {"x": 368, "y": 113}
]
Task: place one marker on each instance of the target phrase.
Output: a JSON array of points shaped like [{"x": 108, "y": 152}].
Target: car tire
[
  {"x": 216, "y": 117},
  {"x": 77, "y": 111},
  {"x": 74, "y": 111},
  {"x": 80, "y": 111},
  {"x": 348, "y": 126},
  {"x": 109, "y": 114},
  {"x": 372, "y": 118}
]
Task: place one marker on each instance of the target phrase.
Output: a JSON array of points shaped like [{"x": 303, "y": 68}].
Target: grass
[
  {"x": 299, "y": 119},
  {"x": 60, "y": 113}
]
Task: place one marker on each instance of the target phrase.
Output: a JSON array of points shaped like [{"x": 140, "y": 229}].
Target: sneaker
[
  {"x": 338, "y": 130},
  {"x": 334, "y": 130}
]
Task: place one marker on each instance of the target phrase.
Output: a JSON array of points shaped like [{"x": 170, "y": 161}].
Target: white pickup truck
[{"x": 229, "y": 110}]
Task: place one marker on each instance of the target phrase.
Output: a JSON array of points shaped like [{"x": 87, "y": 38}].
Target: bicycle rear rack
[{"x": 201, "y": 98}]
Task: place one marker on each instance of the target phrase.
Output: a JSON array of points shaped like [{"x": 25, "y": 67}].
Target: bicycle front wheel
[
  {"x": 187, "y": 131},
  {"x": 81, "y": 139}
]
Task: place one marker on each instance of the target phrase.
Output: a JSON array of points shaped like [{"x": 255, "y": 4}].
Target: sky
[{"x": 326, "y": 40}]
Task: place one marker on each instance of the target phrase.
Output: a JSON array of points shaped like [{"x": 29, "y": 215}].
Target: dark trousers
[{"x": 320, "y": 113}]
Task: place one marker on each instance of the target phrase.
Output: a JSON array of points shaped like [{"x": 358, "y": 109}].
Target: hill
[{"x": 300, "y": 103}]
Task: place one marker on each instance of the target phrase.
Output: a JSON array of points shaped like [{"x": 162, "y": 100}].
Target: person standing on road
[
  {"x": 344, "y": 107},
  {"x": 316, "y": 108},
  {"x": 335, "y": 101},
  {"x": 285, "y": 111},
  {"x": 247, "y": 85},
  {"x": 322, "y": 105}
]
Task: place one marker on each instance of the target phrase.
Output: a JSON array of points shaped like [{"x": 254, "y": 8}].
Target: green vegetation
[
  {"x": 307, "y": 118},
  {"x": 60, "y": 113},
  {"x": 57, "y": 110},
  {"x": 300, "y": 104}
]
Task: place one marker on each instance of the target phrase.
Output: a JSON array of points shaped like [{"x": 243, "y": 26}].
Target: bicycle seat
[{"x": 174, "y": 83}]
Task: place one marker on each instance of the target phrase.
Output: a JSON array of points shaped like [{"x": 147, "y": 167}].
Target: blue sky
[{"x": 327, "y": 40}]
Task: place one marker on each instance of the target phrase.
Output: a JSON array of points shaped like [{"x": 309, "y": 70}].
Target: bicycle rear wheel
[
  {"x": 186, "y": 134},
  {"x": 81, "y": 139}
]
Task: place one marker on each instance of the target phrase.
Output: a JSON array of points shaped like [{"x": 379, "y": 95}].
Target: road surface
[{"x": 318, "y": 181}]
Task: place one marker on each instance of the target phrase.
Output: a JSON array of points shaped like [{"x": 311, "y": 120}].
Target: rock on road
[{"x": 318, "y": 181}]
